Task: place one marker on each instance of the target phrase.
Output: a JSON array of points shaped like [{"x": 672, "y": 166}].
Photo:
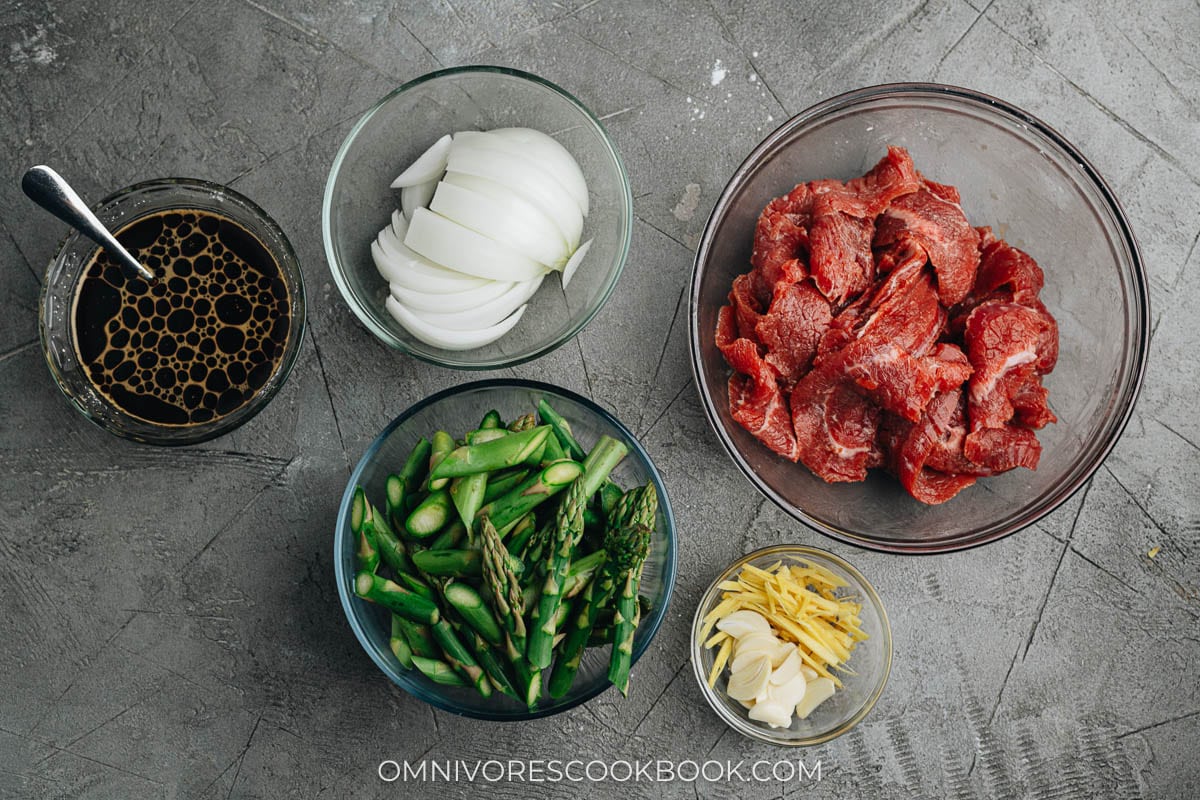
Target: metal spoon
[{"x": 49, "y": 190}]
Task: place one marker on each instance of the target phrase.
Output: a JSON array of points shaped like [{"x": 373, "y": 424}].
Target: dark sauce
[{"x": 198, "y": 343}]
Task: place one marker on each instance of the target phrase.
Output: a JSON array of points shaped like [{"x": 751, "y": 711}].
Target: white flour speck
[
  {"x": 689, "y": 99},
  {"x": 754, "y": 54},
  {"x": 686, "y": 207},
  {"x": 718, "y": 73},
  {"x": 753, "y": 77}
]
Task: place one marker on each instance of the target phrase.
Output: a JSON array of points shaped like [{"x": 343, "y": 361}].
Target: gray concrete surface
[{"x": 169, "y": 621}]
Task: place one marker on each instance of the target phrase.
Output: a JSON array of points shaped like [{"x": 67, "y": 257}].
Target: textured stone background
[{"x": 169, "y": 622}]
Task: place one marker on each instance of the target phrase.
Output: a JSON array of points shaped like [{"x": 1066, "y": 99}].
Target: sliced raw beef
[
  {"x": 834, "y": 426},
  {"x": 792, "y": 328},
  {"x": 911, "y": 454},
  {"x": 781, "y": 236},
  {"x": 1004, "y": 448},
  {"x": 840, "y": 251},
  {"x": 940, "y": 227},
  {"x": 755, "y": 400},
  {"x": 877, "y": 328}
]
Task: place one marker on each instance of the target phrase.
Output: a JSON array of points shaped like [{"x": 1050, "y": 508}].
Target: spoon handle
[{"x": 49, "y": 190}]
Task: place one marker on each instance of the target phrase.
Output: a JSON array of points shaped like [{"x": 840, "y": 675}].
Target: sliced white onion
[
  {"x": 573, "y": 264},
  {"x": 547, "y": 150},
  {"x": 535, "y": 150},
  {"x": 457, "y": 301},
  {"x": 532, "y": 184},
  {"x": 417, "y": 273},
  {"x": 502, "y": 194},
  {"x": 446, "y": 339},
  {"x": 455, "y": 247},
  {"x": 429, "y": 166},
  {"x": 502, "y": 222},
  {"x": 417, "y": 196},
  {"x": 480, "y": 316}
]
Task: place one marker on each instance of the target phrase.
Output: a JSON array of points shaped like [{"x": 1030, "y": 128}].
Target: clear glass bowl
[
  {"x": 66, "y": 269},
  {"x": 871, "y": 660},
  {"x": 449, "y": 410},
  {"x": 358, "y": 202},
  {"x": 1035, "y": 189}
]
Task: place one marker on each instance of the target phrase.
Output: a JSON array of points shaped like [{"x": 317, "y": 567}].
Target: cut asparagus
[
  {"x": 471, "y": 607},
  {"x": 562, "y": 430},
  {"x": 390, "y": 595},
  {"x": 506, "y": 510},
  {"x": 502, "y": 482},
  {"x": 416, "y": 586},
  {"x": 449, "y": 563},
  {"x": 442, "y": 445},
  {"x": 523, "y": 423},
  {"x": 625, "y": 620},
  {"x": 452, "y": 536},
  {"x": 399, "y": 644},
  {"x": 402, "y": 487},
  {"x": 460, "y": 658},
  {"x": 366, "y": 552},
  {"x": 438, "y": 671},
  {"x": 601, "y": 461},
  {"x": 486, "y": 456},
  {"x": 493, "y": 667},
  {"x": 392, "y": 551},
  {"x": 502, "y": 583},
  {"x": 568, "y": 529},
  {"x": 419, "y": 639},
  {"x": 491, "y": 420},
  {"x": 430, "y": 516}
]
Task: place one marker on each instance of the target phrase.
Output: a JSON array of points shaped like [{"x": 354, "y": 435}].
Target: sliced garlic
[
  {"x": 777, "y": 715},
  {"x": 747, "y": 682},
  {"x": 817, "y": 692},
  {"x": 744, "y": 622},
  {"x": 789, "y": 693},
  {"x": 809, "y": 673},
  {"x": 790, "y": 668}
]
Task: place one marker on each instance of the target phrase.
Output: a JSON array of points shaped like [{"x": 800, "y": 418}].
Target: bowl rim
[
  {"x": 1109, "y": 201},
  {"x": 434, "y": 698},
  {"x": 764, "y": 734},
  {"x": 289, "y": 262},
  {"x": 449, "y": 361}
]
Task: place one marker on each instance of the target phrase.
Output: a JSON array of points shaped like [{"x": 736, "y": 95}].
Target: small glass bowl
[
  {"x": 359, "y": 202},
  {"x": 871, "y": 660},
  {"x": 452, "y": 410},
  {"x": 116, "y": 211},
  {"x": 1036, "y": 190}
]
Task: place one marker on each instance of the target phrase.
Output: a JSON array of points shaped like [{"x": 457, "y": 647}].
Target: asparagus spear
[
  {"x": 523, "y": 423},
  {"x": 449, "y": 563},
  {"x": 521, "y": 534},
  {"x": 367, "y": 552},
  {"x": 399, "y": 644},
  {"x": 491, "y": 420},
  {"x": 581, "y": 572},
  {"x": 419, "y": 639},
  {"x": 502, "y": 583},
  {"x": 568, "y": 529},
  {"x": 392, "y": 550},
  {"x": 416, "y": 586},
  {"x": 623, "y": 549},
  {"x": 402, "y": 487},
  {"x": 626, "y": 618},
  {"x": 452, "y": 536},
  {"x": 438, "y": 671},
  {"x": 554, "y": 451},
  {"x": 602, "y": 459},
  {"x": 430, "y": 516},
  {"x": 504, "y": 481},
  {"x": 470, "y": 606},
  {"x": 486, "y": 456},
  {"x": 390, "y": 595},
  {"x": 467, "y": 491},
  {"x": 442, "y": 445},
  {"x": 460, "y": 658},
  {"x": 493, "y": 667},
  {"x": 506, "y": 510},
  {"x": 562, "y": 430}
]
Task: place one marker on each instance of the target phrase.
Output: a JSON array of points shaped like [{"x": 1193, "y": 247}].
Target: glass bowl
[
  {"x": 358, "y": 202},
  {"x": 57, "y": 305},
  {"x": 871, "y": 660},
  {"x": 450, "y": 410},
  {"x": 1035, "y": 189}
]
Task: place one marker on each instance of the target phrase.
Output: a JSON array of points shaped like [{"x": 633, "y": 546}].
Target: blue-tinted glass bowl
[{"x": 454, "y": 410}]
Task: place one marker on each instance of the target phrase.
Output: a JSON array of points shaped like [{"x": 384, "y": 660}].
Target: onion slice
[
  {"x": 429, "y": 166},
  {"x": 415, "y": 269},
  {"x": 546, "y": 149},
  {"x": 455, "y": 247},
  {"x": 395, "y": 274},
  {"x": 417, "y": 196},
  {"x": 529, "y": 182},
  {"x": 446, "y": 303},
  {"x": 480, "y": 316},
  {"x": 574, "y": 261},
  {"x": 502, "y": 222},
  {"x": 447, "y": 339}
]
